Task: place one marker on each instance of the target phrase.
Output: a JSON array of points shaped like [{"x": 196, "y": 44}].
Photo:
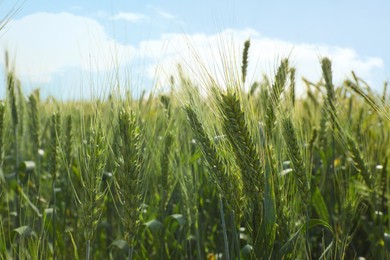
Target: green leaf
[
  {"x": 286, "y": 171},
  {"x": 320, "y": 206},
  {"x": 173, "y": 222},
  {"x": 2, "y": 178},
  {"x": 179, "y": 218},
  {"x": 327, "y": 249},
  {"x": 386, "y": 237},
  {"x": 286, "y": 248},
  {"x": 25, "y": 197},
  {"x": 195, "y": 157},
  {"x": 25, "y": 231},
  {"x": 75, "y": 252},
  {"x": 27, "y": 166},
  {"x": 246, "y": 251},
  {"x": 244, "y": 237},
  {"x": 49, "y": 211},
  {"x": 121, "y": 244},
  {"x": 154, "y": 225},
  {"x": 318, "y": 222}
]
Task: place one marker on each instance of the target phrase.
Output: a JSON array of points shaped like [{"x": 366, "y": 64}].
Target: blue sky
[{"x": 65, "y": 46}]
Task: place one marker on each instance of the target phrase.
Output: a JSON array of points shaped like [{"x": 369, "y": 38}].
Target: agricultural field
[{"x": 199, "y": 171}]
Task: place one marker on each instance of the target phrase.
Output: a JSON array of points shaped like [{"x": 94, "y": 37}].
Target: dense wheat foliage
[{"x": 232, "y": 174}]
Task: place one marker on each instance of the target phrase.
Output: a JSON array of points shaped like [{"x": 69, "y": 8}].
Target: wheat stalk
[
  {"x": 2, "y": 118},
  {"x": 54, "y": 150}
]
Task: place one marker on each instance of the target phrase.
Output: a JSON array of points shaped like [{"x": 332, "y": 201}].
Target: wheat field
[{"x": 198, "y": 172}]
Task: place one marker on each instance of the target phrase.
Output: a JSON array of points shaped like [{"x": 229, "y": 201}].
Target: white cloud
[
  {"x": 100, "y": 14},
  {"x": 161, "y": 12},
  {"x": 130, "y": 17},
  {"x": 43, "y": 44},
  {"x": 166, "y": 15},
  {"x": 221, "y": 53},
  {"x": 77, "y": 7}
]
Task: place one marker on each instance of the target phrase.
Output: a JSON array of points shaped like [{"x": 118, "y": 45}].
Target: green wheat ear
[
  {"x": 21, "y": 110},
  {"x": 165, "y": 171},
  {"x": 330, "y": 101},
  {"x": 383, "y": 99},
  {"x": 248, "y": 159},
  {"x": 54, "y": 144},
  {"x": 244, "y": 66},
  {"x": 275, "y": 96},
  {"x": 92, "y": 158},
  {"x": 128, "y": 174},
  {"x": 358, "y": 160},
  {"x": 376, "y": 106},
  {"x": 292, "y": 86},
  {"x": 68, "y": 140},
  {"x": 34, "y": 123},
  {"x": 12, "y": 98},
  {"x": 295, "y": 155},
  {"x": 227, "y": 185},
  {"x": 345, "y": 136}
]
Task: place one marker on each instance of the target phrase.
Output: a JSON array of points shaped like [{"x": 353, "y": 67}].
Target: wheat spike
[
  {"x": 92, "y": 159},
  {"x": 247, "y": 157},
  {"x": 294, "y": 153},
  {"x": 227, "y": 185},
  {"x": 129, "y": 174},
  {"x": 244, "y": 66},
  {"x": 54, "y": 144},
  {"x": 34, "y": 123},
  {"x": 274, "y": 100}
]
